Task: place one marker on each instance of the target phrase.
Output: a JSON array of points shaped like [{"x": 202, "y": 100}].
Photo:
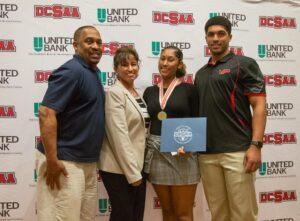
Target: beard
[{"x": 219, "y": 51}]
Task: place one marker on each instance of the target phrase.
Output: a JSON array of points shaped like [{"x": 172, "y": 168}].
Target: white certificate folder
[{"x": 187, "y": 132}]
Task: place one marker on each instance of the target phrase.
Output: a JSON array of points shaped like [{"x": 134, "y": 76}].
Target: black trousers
[{"x": 127, "y": 202}]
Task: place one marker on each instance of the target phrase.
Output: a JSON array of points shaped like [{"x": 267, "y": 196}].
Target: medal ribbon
[{"x": 163, "y": 98}]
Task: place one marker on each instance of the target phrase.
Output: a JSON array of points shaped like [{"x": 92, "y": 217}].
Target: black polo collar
[{"x": 222, "y": 60}]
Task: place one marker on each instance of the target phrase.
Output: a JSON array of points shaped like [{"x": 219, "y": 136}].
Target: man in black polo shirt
[
  {"x": 72, "y": 126},
  {"x": 228, "y": 85}
]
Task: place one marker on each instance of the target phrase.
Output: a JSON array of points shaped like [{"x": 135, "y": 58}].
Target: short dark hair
[
  {"x": 77, "y": 33},
  {"x": 219, "y": 20},
  {"x": 122, "y": 54},
  {"x": 178, "y": 53}
]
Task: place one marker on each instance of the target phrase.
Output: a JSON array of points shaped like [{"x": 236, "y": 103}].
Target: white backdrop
[{"x": 36, "y": 38}]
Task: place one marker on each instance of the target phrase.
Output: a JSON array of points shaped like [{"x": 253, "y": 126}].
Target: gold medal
[
  {"x": 163, "y": 98},
  {"x": 162, "y": 115}
]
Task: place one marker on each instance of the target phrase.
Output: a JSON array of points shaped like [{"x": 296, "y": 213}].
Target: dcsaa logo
[
  {"x": 237, "y": 50},
  {"x": 38, "y": 140},
  {"x": 277, "y": 22},
  {"x": 110, "y": 48},
  {"x": 8, "y": 178},
  {"x": 56, "y": 11},
  {"x": 7, "y": 111},
  {"x": 173, "y": 18},
  {"x": 279, "y": 80},
  {"x": 183, "y": 134},
  {"x": 7, "y": 45},
  {"x": 188, "y": 78},
  {"x": 41, "y": 76}
]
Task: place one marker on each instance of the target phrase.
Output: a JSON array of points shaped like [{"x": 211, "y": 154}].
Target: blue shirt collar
[{"x": 84, "y": 64}]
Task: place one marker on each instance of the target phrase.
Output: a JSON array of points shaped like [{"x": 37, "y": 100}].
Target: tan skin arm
[
  {"x": 252, "y": 158},
  {"x": 48, "y": 129}
]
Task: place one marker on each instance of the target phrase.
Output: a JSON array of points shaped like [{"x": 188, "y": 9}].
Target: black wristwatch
[{"x": 258, "y": 144}]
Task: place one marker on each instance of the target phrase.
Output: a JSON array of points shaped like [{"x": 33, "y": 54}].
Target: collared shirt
[
  {"x": 223, "y": 95},
  {"x": 76, "y": 93}
]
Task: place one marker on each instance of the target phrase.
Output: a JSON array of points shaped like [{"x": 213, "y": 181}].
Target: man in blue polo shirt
[
  {"x": 228, "y": 85},
  {"x": 72, "y": 127}
]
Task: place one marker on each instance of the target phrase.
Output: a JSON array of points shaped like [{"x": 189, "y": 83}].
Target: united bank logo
[
  {"x": 279, "y": 138},
  {"x": 8, "y": 111},
  {"x": 234, "y": 18},
  {"x": 36, "y": 109},
  {"x": 52, "y": 44},
  {"x": 117, "y": 16},
  {"x": 279, "y": 110},
  {"x": 107, "y": 78},
  {"x": 6, "y": 75},
  {"x": 7, "y": 208},
  {"x": 110, "y": 48},
  {"x": 8, "y": 178},
  {"x": 280, "y": 80},
  {"x": 274, "y": 51},
  {"x": 6, "y": 142},
  {"x": 156, "y": 46},
  {"x": 6, "y": 10},
  {"x": 276, "y": 169},
  {"x": 278, "y": 196},
  {"x": 173, "y": 18},
  {"x": 7, "y": 45},
  {"x": 41, "y": 76},
  {"x": 56, "y": 11},
  {"x": 277, "y": 22},
  {"x": 237, "y": 50},
  {"x": 188, "y": 78},
  {"x": 104, "y": 206}
]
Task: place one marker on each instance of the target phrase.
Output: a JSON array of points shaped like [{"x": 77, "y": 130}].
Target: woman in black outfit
[{"x": 174, "y": 178}]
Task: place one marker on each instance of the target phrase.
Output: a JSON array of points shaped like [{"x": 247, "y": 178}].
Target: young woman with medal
[
  {"x": 122, "y": 155},
  {"x": 174, "y": 178}
]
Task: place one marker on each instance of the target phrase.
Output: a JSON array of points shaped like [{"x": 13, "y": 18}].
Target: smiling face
[
  {"x": 168, "y": 64},
  {"x": 127, "y": 70},
  {"x": 218, "y": 39},
  {"x": 88, "y": 46}
]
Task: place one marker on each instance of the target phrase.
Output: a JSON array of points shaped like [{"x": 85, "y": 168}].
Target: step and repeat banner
[{"x": 36, "y": 37}]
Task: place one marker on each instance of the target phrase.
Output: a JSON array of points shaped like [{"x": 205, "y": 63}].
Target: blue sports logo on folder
[{"x": 187, "y": 132}]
